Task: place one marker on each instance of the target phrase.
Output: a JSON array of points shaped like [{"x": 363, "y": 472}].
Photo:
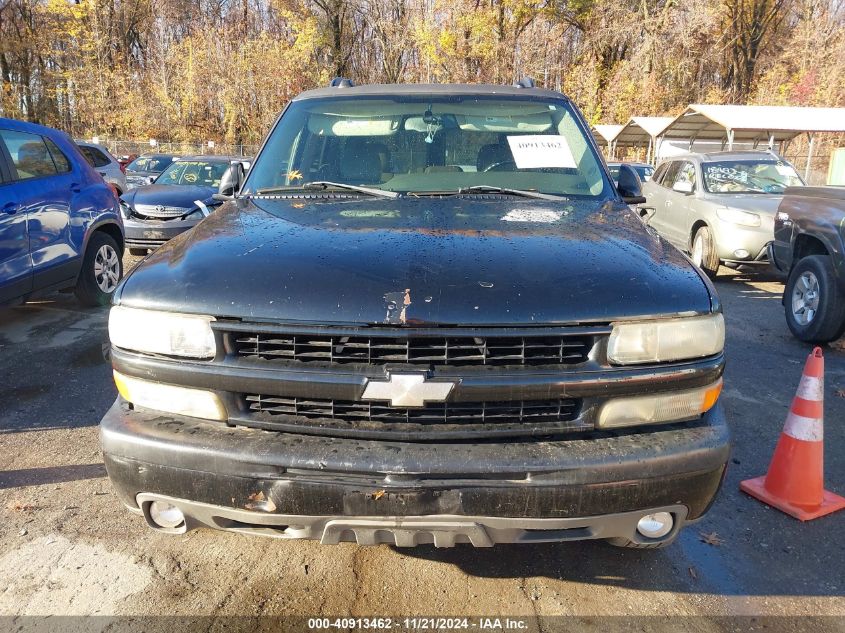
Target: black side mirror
[
  {"x": 231, "y": 182},
  {"x": 629, "y": 185}
]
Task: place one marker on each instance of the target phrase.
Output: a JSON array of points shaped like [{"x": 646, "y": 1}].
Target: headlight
[
  {"x": 196, "y": 403},
  {"x": 735, "y": 216},
  {"x": 666, "y": 407},
  {"x": 125, "y": 210},
  {"x": 666, "y": 340},
  {"x": 156, "y": 332}
]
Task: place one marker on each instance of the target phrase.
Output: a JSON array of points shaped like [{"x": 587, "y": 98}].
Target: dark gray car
[
  {"x": 176, "y": 201},
  {"x": 719, "y": 207}
]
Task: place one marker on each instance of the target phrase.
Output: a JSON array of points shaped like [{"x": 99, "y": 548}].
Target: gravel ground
[{"x": 67, "y": 547}]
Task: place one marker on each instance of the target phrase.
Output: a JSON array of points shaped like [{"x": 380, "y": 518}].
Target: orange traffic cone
[{"x": 795, "y": 481}]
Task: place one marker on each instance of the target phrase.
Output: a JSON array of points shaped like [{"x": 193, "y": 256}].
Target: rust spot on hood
[{"x": 397, "y": 306}]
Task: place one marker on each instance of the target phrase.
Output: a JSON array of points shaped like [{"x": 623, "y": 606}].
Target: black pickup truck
[
  {"x": 808, "y": 246},
  {"x": 426, "y": 315}
]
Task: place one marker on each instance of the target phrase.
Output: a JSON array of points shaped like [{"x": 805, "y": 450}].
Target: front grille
[
  {"x": 353, "y": 418},
  {"x": 160, "y": 211},
  {"x": 429, "y": 351}
]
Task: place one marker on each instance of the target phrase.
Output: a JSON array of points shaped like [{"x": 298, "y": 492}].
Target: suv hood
[
  {"x": 169, "y": 195},
  {"x": 427, "y": 261},
  {"x": 753, "y": 202}
]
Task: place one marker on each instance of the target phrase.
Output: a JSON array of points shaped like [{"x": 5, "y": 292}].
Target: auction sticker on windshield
[{"x": 538, "y": 151}]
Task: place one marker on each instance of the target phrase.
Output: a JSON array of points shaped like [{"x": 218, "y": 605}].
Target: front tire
[
  {"x": 815, "y": 306},
  {"x": 704, "y": 253},
  {"x": 102, "y": 269}
]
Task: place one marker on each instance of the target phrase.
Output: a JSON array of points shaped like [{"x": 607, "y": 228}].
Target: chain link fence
[{"x": 127, "y": 148}]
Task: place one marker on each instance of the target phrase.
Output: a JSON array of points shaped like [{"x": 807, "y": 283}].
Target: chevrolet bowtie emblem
[{"x": 407, "y": 390}]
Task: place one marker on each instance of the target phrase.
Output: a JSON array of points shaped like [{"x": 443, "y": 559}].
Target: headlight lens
[
  {"x": 666, "y": 340},
  {"x": 156, "y": 332},
  {"x": 735, "y": 216},
  {"x": 667, "y": 407},
  {"x": 125, "y": 210},
  {"x": 196, "y": 403}
]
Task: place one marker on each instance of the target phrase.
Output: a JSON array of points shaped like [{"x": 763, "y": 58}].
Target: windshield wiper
[
  {"x": 325, "y": 185},
  {"x": 511, "y": 192}
]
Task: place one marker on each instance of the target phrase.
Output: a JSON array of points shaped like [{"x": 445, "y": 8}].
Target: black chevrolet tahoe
[{"x": 425, "y": 316}]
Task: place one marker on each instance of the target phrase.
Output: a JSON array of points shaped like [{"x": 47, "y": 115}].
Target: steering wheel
[{"x": 502, "y": 165}]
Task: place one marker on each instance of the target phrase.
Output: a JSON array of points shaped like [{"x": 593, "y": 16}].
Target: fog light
[
  {"x": 166, "y": 515},
  {"x": 741, "y": 254},
  {"x": 655, "y": 525}
]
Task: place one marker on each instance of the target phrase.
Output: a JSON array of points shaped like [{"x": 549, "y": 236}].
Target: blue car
[{"x": 60, "y": 224}]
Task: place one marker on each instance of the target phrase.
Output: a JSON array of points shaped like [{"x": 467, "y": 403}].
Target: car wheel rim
[
  {"x": 805, "y": 298},
  {"x": 106, "y": 269},
  {"x": 698, "y": 250}
]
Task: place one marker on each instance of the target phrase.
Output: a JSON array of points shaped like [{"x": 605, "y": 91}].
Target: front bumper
[
  {"x": 154, "y": 233},
  {"x": 300, "y": 486},
  {"x": 731, "y": 238}
]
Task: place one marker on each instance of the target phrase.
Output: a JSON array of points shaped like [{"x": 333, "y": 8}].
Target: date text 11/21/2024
[{"x": 419, "y": 624}]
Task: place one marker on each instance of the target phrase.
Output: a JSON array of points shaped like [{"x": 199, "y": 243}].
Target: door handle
[
  {"x": 10, "y": 208},
  {"x": 75, "y": 188}
]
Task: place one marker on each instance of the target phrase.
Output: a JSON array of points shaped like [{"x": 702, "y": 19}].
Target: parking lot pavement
[{"x": 68, "y": 547}]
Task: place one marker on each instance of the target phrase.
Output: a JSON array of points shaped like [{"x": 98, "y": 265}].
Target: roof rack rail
[
  {"x": 341, "y": 82},
  {"x": 525, "y": 82}
]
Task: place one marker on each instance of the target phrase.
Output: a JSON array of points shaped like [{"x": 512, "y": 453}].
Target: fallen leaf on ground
[
  {"x": 710, "y": 539},
  {"x": 19, "y": 506}
]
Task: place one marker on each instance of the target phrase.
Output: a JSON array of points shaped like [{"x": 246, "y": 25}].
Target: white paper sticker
[
  {"x": 785, "y": 170},
  {"x": 541, "y": 150},
  {"x": 533, "y": 215}
]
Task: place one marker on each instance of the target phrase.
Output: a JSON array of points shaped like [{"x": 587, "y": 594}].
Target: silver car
[
  {"x": 718, "y": 207},
  {"x": 106, "y": 165}
]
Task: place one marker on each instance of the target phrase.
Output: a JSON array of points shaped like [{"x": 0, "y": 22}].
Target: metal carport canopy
[
  {"x": 641, "y": 130},
  {"x": 738, "y": 123},
  {"x": 605, "y": 133}
]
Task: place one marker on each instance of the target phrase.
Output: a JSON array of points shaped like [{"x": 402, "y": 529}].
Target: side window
[
  {"x": 30, "y": 156},
  {"x": 659, "y": 172},
  {"x": 671, "y": 172},
  {"x": 60, "y": 160},
  {"x": 95, "y": 157},
  {"x": 686, "y": 173}
]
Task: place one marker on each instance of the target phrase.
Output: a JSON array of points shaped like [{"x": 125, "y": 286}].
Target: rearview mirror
[
  {"x": 682, "y": 186},
  {"x": 629, "y": 185},
  {"x": 231, "y": 182}
]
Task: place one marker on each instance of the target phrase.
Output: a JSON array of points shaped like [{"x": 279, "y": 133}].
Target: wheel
[
  {"x": 101, "y": 270},
  {"x": 815, "y": 307},
  {"x": 138, "y": 252},
  {"x": 704, "y": 252},
  {"x": 628, "y": 544}
]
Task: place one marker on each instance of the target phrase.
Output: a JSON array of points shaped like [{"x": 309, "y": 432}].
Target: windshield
[
  {"x": 749, "y": 176},
  {"x": 430, "y": 144},
  {"x": 153, "y": 164},
  {"x": 193, "y": 172}
]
